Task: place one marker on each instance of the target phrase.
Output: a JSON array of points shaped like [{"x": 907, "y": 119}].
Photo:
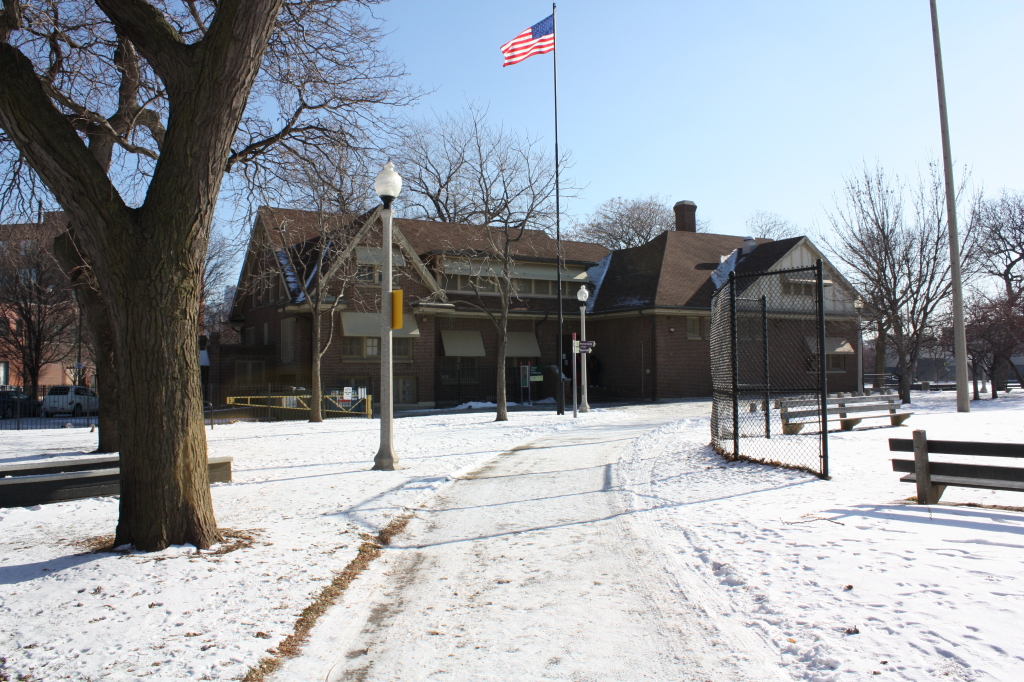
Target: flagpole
[{"x": 560, "y": 385}]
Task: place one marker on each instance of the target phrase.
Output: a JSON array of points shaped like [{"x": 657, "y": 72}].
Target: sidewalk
[{"x": 528, "y": 568}]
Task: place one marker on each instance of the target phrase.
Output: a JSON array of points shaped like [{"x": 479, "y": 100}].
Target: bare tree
[
  {"x": 1001, "y": 242},
  {"x": 765, "y": 225},
  {"x": 894, "y": 242},
  {"x": 461, "y": 169},
  {"x": 624, "y": 223},
  {"x": 38, "y": 315},
  {"x": 129, "y": 113},
  {"x": 218, "y": 273}
]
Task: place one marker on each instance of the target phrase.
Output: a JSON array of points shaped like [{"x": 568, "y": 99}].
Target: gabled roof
[{"x": 674, "y": 270}]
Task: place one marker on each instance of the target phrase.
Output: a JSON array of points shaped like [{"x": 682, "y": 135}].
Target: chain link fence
[
  {"x": 47, "y": 407},
  {"x": 768, "y": 369}
]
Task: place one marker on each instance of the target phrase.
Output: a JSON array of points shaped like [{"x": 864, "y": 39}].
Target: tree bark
[
  {"x": 97, "y": 321},
  {"x": 504, "y": 286},
  {"x": 316, "y": 390},
  {"x": 148, "y": 260},
  {"x": 879, "y": 381}
]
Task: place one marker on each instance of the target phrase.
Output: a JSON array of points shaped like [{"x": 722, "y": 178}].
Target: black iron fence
[
  {"x": 768, "y": 369},
  {"x": 48, "y": 407}
]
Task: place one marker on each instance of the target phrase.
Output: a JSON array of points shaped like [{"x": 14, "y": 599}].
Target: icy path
[{"x": 529, "y": 568}]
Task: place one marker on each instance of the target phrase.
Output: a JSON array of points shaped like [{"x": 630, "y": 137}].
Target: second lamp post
[
  {"x": 582, "y": 295},
  {"x": 388, "y": 185}
]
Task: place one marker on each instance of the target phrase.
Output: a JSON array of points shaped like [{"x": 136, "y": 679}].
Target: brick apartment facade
[{"x": 649, "y": 312}]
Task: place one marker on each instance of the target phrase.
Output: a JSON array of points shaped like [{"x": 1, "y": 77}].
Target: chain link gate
[{"x": 768, "y": 369}]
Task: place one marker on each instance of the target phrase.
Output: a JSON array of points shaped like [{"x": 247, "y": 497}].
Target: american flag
[{"x": 537, "y": 39}]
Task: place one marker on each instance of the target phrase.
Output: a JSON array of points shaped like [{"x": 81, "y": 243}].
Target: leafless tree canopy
[
  {"x": 325, "y": 79},
  {"x": 38, "y": 316},
  {"x": 894, "y": 243},
  {"x": 765, "y": 225},
  {"x": 624, "y": 223},
  {"x": 1001, "y": 242},
  {"x": 460, "y": 168}
]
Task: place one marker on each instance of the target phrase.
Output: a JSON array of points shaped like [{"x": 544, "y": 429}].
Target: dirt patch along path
[{"x": 527, "y": 568}]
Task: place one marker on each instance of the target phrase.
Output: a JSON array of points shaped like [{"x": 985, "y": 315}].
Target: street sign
[
  {"x": 536, "y": 373},
  {"x": 348, "y": 393},
  {"x": 575, "y": 346},
  {"x": 588, "y": 344},
  {"x": 524, "y": 376}
]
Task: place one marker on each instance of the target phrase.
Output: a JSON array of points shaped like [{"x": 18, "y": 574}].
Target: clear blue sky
[{"x": 736, "y": 105}]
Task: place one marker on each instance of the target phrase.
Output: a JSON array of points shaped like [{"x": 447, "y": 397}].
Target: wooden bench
[
  {"x": 809, "y": 411},
  {"x": 31, "y": 483},
  {"x": 933, "y": 477}
]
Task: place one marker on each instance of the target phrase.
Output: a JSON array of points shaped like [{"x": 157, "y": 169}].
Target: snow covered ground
[
  {"x": 302, "y": 491},
  {"x": 933, "y": 592},
  {"x": 841, "y": 577}
]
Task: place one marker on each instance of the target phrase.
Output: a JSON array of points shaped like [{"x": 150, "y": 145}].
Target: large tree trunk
[
  {"x": 147, "y": 260},
  {"x": 165, "y": 491},
  {"x": 879, "y": 379},
  {"x": 98, "y": 324},
  {"x": 500, "y": 384},
  {"x": 316, "y": 391}
]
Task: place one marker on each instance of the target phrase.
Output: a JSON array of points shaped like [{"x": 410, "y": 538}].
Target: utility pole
[{"x": 963, "y": 398}]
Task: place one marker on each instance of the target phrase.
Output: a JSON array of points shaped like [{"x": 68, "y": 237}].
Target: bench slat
[
  {"x": 985, "y": 483},
  {"x": 810, "y": 402},
  {"x": 786, "y": 414},
  {"x": 956, "y": 447},
  {"x": 965, "y": 471}
]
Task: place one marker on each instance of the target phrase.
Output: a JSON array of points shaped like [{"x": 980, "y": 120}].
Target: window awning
[
  {"x": 459, "y": 343},
  {"x": 522, "y": 345},
  {"x": 368, "y": 324},
  {"x": 833, "y": 345}
]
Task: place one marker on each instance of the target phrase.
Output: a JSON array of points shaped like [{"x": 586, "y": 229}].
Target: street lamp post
[
  {"x": 388, "y": 185},
  {"x": 582, "y": 295},
  {"x": 858, "y": 305}
]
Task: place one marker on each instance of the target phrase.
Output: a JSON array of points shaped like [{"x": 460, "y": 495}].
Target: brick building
[{"x": 649, "y": 311}]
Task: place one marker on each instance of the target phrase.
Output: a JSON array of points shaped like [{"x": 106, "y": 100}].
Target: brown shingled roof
[{"x": 674, "y": 270}]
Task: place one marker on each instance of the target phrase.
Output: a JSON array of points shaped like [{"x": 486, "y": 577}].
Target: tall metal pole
[
  {"x": 963, "y": 397},
  {"x": 584, "y": 405},
  {"x": 385, "y": 458},
  {"x": 767, "y": 373},
  {"x": 819, "y": 273},
  {"x": 575, "y": 411},
  {"x": 734, "y": 347},
  {"x": 560, "y": 387}
]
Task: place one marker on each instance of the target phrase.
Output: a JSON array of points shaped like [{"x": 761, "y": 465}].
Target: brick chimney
[{"x": 686, "y": 216}]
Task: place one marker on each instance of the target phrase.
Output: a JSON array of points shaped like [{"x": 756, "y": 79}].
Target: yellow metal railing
[{"x": 334, "y": 405}]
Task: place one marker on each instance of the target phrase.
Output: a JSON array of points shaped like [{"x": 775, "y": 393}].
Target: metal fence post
[
  {"x": 819, "y": 271},
  {"x": 735, "y": 366},
  {"x": 767, "y": 384}
]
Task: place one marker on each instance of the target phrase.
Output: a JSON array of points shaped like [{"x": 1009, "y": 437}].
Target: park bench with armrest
[
  {"x": 932, "y": 477},
  {"x": 794, "y": 413}
]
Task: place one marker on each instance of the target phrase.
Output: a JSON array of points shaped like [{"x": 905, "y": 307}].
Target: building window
[
  {"x": 693, "y": 328},
  {"x": 359, "y": 347},
  {"x": 249, "y": 336},
  {"x": 248, "y": 373},
  {"x": 405, "y": 389},
  {"x": 454, "y": 368},
  {"x": 402, "y": 348},
  {"x": 835, "y": 363},
  {"x": 798, "y": 287},
  {"x": 5, "y": 374},
  {"x": 352, "y": 346},
  {"x": 266, "y": 333},
  {"x": 372, "y": 346},
  {"x": 288, "y": 340}
]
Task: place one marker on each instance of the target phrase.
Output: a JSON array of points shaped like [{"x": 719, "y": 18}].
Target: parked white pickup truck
[{"x": 73, "y": 400}]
